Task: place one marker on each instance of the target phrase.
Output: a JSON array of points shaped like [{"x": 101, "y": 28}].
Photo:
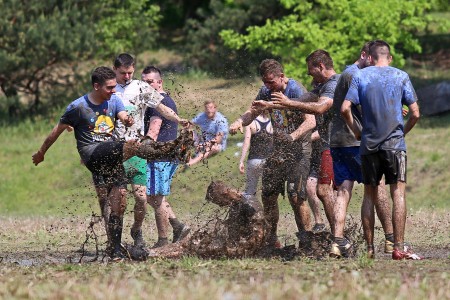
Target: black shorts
[
  {"x": 391, "y": 163},
  {"x": 282, "y": 167},
  {"x": 106, "y": 164}
]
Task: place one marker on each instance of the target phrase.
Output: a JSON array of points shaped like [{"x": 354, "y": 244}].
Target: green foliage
[{"x": 340, "y": 27}]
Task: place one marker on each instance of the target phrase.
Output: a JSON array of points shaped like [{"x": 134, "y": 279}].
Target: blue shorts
[
  {"x": 346, "y": 164},
  {"x": 159, "y": 177}
]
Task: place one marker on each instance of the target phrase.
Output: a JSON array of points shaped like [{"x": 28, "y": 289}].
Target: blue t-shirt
[
  {"x": 381, "y": 92},
  {"x": 210, "y": 128},
  {"x": 92, "y": 123},
  {"x": 168, "y": 130}
]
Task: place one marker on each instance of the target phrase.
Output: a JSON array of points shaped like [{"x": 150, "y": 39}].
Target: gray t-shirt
[{"x": 341, "y": 135}]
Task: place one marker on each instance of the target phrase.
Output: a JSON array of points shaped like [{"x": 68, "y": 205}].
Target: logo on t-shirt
[{"x": 103, "y": 128}]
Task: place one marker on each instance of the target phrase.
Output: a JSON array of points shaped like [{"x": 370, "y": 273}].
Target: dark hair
[
  {"x": 124, "y": 59},
  {"x": 151, "y": 69},
  {"x": 366, "y": 46},
  {"x": 101, "y": 74},
  {"x": 320, "y": 57},
  {"x": 270, "y": 66},
  {"x": 379, "y": 48}
]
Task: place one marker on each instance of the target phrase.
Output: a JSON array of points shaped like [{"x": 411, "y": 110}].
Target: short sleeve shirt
[
  {"x": 210, "y": 128},
  {"x": 381, "y": 92},
  {"x": 136, "y": 96},
  {"x": 168, "y": 130},
  {"x": 91, "y": 123}
]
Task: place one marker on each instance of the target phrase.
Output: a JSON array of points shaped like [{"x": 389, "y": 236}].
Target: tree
[
  {"x": 338, "y": 26},
  {"x": 42, "y": 40}
]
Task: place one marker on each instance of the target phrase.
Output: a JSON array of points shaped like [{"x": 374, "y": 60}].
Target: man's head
[
  {"x": 210, "y": 108},
  {"x": 380, "y": 51},
  {"x": 152, "y": 75},
  {"x": 320, "y": 64},
  {"x": 104, "y": 82},
  {"x": 124, "y": 68},
  {"x": 272, "y": 75},
  {"x": 364, "y": 55}
]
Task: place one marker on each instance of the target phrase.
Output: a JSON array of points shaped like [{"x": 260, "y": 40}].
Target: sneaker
[
  {"x": 180, "y": 233},
  {"x": 405, "y": 254},
  {"x": 160, "y": 243},
  {"x": 318, "y": 227},
  {"x": 388, "y": 246},
  {"x": 137, "y": 237},
  {"x": 340, "y": 251}
]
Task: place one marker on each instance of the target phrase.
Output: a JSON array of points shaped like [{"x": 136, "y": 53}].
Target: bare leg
[
  {"x": 202, "y": 156},
  {"x": 105, "y": 208},
  {"x": 344, "y": 195},
  {"x": 140, "y": 208},
  {"x": 325, "y": 194},
  {"x": 271, "y": 213},
  {"x": 383, "y": 209},
  {"x": 302, "y": 212},
  {"x": 313, "y": 200},
  {"x": 398, "y": 213},
  {"x": 162, "y": 214},
  {"x": 368, "y": 213}
]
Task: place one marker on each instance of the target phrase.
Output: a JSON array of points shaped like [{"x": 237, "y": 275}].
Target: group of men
[
  {"x": 356, "y": 119},
  {"x": 358, "y": 116}
]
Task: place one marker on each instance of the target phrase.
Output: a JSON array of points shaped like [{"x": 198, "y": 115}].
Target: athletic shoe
[
  {"x": 337, "y": 251},
  {"x": 137, "y": 237},
  {"x": 405, "y": 254},
  {"x": 160, "y": 243},
  {"x": 180, "y": 233},
  {"x": 388, "y": 246},
  {"x": 318, "y": 227}
]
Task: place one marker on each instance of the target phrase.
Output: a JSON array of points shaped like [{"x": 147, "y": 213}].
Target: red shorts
[{"x": 326, "y": 174}]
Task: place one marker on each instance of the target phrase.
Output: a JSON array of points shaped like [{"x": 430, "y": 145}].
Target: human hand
[
  {"x": 237, "y": 125},
  {"x": 241, "y": 168},
  {"x": 185, "y": 123},
  {"x": 405, "y": 110},
  {"x": 279, "y": 98},
  {"x": 261, "y": 104},
  {"x": 69, "y": 129},
  {"x": 37, "y": 157},
  {"x": 129, "y": 121}
]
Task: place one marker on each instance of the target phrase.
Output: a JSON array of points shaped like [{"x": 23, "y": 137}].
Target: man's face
[
  {"x": 275, "y": 83},
  {"x": 317, "y": 73},
  {"x": 107, "y": 89},
  {"x": 124, "y": 74},
  {"x": 154, "y": 80},
  {"x": 210, "y": 110},
  {"x": 366, "y": 62}
]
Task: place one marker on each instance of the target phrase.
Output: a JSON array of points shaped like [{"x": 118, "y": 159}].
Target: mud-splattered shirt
[
  {"x": 381, "y": 92},
  {"x": 92, "y": 123}
]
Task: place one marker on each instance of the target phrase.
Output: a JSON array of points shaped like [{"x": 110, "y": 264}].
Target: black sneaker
[
  {"x": 340, "y": 251},
  {"x": 318, "y": 227},
  {"x": 117, "y": 256},
  {"x": 180, "y": 233},
  {"x": 137, "y": 237}
]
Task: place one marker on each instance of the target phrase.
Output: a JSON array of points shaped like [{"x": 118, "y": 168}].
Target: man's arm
[
  {"x": 320, "y": 106},
  {"x": 169, "y": 114},
  {"x": 413, "y": 117},
  {"x": 125, "y": 118},
  {"x": 245, "y": 120},
  {"x": 308, "y": 124},
  {"x": 38, "y": 157},
  {"x": 154, "y": 126},
  {"x": 346, "y": 112}
]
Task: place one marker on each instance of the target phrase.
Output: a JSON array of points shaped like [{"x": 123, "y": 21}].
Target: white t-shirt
[{"x": 136, "y": 97}]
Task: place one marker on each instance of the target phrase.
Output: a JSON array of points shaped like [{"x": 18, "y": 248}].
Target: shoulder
[
  {"x": 295, "y": 86},
  {"x": 80, "y": 102}
]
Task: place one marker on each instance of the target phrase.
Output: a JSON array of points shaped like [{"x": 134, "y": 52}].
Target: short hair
[
  {"x": 151, "y": 69},
  {"x": 379, "y": 48},
  {"x": 209, "y": 102},
  {"x": 366, "y": 47},
  {"x": 320, "y": 57},
  {"x": 270, "y": 66},
  {"x": 101, "y": 74},
  {"x": 125, "y": 60}
]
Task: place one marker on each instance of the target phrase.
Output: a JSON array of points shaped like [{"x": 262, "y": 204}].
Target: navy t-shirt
[
  {"x": 168, "y": 130},
  {"x": 381, "y": 92}
]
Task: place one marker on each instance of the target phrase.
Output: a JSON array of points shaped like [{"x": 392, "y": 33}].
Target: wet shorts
[
  {"x": 159, "y": 177},
  {"x": 391, "y": 163},
  {"x": 105, "y": 163},
  {"x": 322, "y": 168},
  {"x": 346, "y": 164},
  {"x": 280, "y": 168},
  {"x": 136, "y": 170}
]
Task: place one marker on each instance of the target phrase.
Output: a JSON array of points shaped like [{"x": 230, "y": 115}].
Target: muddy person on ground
[
  {"x": 92, "y": 117},
  {"x": 381, "y": 91},
  {"x": 289, "y": 161},
  {"x": 160, "y": 172}
]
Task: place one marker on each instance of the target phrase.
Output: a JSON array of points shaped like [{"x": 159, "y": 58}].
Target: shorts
[
  {"x": 159, "y": 177},
  {"x": 322, "y": 168},
  {"x": 391, "y": 163},
  {"x": 105, "y": 164},
  {"x": 284, "y": 167},
  {"x": 346, "y": 164},
  {"x": 136, "y": 170}
]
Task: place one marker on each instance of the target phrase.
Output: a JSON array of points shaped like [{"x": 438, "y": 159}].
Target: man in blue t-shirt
[
  {"x": 289, "y": 161},
  {"x": 93, "y": 117},
  {"x": 214, "y": 127},
  {"x": 381, "y": 91},
  {"x": 160, "y": 172}
]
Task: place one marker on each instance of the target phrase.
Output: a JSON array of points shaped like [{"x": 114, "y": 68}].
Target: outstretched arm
[
  {"x": 245, "y": 119},
  {"x": 38, "y": 157},
  {"x": 168, "y": 113},
  {"x": 307, "y": 103},
  {"x": 346, "y": 112}
]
